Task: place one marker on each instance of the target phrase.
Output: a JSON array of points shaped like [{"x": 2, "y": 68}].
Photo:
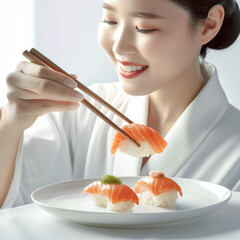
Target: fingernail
[
  {"x": 77, "y": 96},
  {"x": 74, "y": 75},
  {"x": 70, "y": 83}
]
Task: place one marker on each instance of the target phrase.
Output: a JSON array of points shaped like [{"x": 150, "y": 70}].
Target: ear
[{"x": 213, "y": 24}]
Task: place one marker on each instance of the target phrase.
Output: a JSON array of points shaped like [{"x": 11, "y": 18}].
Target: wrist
[{"x": 9, "y": 123}]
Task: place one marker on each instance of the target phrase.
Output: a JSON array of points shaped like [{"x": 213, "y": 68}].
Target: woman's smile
[{"x": 130, "y": 70}]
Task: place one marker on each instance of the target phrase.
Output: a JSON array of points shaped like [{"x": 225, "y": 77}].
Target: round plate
[{"x": 65, "y": 200}]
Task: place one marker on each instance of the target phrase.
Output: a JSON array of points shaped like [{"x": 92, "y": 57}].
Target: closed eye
[
  {"x": 145, "y": 30},
  {"x": 138, "y": 29},
  {"x": 109, "y": 22}
]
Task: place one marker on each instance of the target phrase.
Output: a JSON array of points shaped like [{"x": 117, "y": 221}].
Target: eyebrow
[{"x": 133, "y": 14}]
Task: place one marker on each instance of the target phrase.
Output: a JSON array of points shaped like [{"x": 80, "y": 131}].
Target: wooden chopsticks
[{"x": 38, "y": 58}]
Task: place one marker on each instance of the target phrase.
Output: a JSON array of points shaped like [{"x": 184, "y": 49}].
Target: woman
[{"x": 155, "y": 48}]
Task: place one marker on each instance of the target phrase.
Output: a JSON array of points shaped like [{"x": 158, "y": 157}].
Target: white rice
[
  {"x": 100, "y": 200},
  {"x": 165, "y": 200},
  {"x": 120, "y": 206},
  {"x": 132, "y": 149}
]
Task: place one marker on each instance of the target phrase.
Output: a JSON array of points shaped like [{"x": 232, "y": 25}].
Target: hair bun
[{"x": 229, "y": 6}]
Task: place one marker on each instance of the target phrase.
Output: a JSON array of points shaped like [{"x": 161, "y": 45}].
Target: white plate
[{"x": 66, "y": 201}]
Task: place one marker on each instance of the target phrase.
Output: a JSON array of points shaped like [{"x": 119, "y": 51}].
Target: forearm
[{"x": 10, "y": 138}]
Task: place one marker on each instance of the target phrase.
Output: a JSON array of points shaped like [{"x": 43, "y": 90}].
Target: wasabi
[{"x": 110, "y": 179}]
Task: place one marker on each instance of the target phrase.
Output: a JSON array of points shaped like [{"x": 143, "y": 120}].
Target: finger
[
  {"x": 36, "y": 70},
  {"x": 45, "y": 106},
  {"x": 28, "y": 87},
  {"x": 14, "y": 93},
  {"x": 40, "y": 107}
]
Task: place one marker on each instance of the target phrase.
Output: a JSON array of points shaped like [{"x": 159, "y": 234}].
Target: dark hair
[{"x": 230, "y": 29}]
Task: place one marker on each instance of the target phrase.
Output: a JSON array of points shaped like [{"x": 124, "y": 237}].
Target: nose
[{"x": 124, "y": 41}]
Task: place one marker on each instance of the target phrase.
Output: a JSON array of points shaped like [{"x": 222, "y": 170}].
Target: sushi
[
  {"x": 110, "y": 193},
  {"x": 157, "y": 190},
  {"x": 149, "y": 139}
]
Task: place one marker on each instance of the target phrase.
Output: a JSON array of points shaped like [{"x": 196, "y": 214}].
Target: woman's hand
[{"x": 34, "y": 90}]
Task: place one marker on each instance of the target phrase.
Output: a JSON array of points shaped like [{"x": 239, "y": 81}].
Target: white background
[
  {"x": 16, "y": 34},
  {"x": 66, "y": 31}
]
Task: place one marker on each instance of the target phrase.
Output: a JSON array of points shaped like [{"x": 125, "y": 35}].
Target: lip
[
  {"x": 131, "y": 64},
  {"x": 131, "y": 74}
]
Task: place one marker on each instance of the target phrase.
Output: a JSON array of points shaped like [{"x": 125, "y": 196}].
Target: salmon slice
[
  {"x": 142, "y": 133},
  {"x": 115, "y": 192},
  {"x": 157, "y": 185}
]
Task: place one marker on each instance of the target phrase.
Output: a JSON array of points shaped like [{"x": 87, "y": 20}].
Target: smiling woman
[{"x": 157, "y": 49}]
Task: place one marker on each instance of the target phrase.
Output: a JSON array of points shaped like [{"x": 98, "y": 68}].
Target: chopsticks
[{"x": 38, "y": 58}]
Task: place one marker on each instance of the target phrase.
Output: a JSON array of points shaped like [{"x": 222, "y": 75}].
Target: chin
[{"x": 134, "y": 90}]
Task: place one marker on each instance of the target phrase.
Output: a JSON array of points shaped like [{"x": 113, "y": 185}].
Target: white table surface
[{"x": 30, "y": 222}]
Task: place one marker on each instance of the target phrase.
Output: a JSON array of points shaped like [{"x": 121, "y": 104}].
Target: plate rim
[{"x": 227, "y": 196}]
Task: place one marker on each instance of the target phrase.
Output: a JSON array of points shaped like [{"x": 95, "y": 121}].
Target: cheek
[
  {"x": 185, "y": 45},
  {"x": 104, "y": 40},
  {"x": 171, "y": 52}
]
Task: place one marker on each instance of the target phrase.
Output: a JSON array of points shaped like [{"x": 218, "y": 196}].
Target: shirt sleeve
[
  {"x": 13, "y": 190},
  {"x": 44, "y": 156}
]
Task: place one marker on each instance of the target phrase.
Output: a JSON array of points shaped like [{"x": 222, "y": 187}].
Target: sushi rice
[
  {"x": 100, "y": 200},
  {"x": 132, "y": 149},
  {"x": 164, "y": 200}
]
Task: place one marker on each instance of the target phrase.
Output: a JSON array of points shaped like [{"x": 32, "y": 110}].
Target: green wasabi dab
[{"x": 110, "y": 179}]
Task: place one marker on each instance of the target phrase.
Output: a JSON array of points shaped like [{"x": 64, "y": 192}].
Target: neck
[{"x": 168, "y": 103}]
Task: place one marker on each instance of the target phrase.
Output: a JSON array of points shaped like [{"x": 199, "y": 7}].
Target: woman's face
[{"x": 150, "y": 43}]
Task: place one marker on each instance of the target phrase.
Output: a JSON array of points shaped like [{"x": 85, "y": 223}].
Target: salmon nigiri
[
  {"x": 157, "y": 190},
  {"x": 109, "y": 192},
  {"x": 149, "y": 139}
]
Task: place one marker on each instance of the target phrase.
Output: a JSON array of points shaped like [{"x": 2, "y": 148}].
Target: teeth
[
  {"x": 128, "y": 68},
  {"x": 131, "y": 68}
]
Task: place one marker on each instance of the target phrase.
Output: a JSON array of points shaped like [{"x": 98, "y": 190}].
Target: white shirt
[{"x": 204, "y": 143}]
